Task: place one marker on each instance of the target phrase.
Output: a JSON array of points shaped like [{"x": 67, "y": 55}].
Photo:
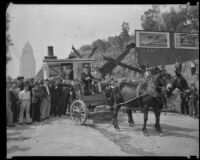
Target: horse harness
[{"x": 138, "y": 97}]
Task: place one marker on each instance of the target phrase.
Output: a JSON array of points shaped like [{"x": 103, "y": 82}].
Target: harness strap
[{"x": 132, "y": 99}]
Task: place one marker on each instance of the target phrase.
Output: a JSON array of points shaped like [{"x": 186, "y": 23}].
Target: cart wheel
[
  {"x": 79, "y": 112},
  {"x": 108, "y": 116}
]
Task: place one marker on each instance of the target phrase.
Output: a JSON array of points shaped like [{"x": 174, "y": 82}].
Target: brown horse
[{"x": 144, "y": 94}]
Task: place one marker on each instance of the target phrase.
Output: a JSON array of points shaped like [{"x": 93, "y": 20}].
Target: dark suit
[
  {"x": 87, "y": 80},
  {"x": 45, "y": 102},
  {"x": 56, "y": 94},
  {"x": 14, "y": 105}
]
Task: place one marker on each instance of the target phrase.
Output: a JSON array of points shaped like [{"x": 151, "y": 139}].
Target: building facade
[{"x": 27, "y": 62}]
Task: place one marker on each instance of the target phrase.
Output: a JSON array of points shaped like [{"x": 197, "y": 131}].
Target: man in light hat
[{"x": 25, "y": 99}]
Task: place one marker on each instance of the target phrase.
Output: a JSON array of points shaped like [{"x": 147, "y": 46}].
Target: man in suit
[
  {"x": 57, "y": 92},
  {"x": 20, "y": 81},
  {"x": 35, "y": 114},
  {"x": 45, "y": 100},
  {"x": 87, "y": 79}
]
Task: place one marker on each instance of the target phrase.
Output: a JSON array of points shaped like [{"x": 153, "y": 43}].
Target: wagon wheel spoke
[{"x": 79, "y": 112}]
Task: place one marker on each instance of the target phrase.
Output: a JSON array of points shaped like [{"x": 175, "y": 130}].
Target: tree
[
  {"x": 186, "y": 19},
  {"x": 149, "y": 20},
  {"x": 124, "y": 35},
  {"x": 8, "y": 38},
  {"x": 101, "y": 44}
]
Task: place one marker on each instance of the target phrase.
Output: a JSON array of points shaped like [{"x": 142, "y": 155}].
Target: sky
[{"x": 62, "y": 26}]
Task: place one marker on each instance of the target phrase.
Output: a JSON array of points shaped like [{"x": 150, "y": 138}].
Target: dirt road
[{"x": 61, "y": 137}]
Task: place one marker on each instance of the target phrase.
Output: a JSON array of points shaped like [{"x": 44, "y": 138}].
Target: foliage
[
  {"x": 185, "y": 19},
  {"x": 8, "y": 38}
]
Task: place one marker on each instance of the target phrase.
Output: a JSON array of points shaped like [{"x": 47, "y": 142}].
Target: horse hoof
[
  {"x": 161, "y": 133},
  {"x": 117, "y": 129},
  {"x": 131, "y": 124},
  {"x": 146, "y": 134}
]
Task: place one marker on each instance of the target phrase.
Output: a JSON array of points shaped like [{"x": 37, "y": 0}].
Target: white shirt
[
  {"x": 47, "y": 90},
  {"x": 192, "y": 65},
  {"x": 24, "y": 95}
]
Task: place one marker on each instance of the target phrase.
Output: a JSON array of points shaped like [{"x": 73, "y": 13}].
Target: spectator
[
  {"x": 57, "y": 91},
  {"x": 178, "y": 66},
  {"x": 20, "y": 82},
  {"x": 9, "y": 115},
  {"x": 31, "y": 85},
  {"x": 24, "y": 97},
  {"x": 163, "y": 68},
  {"x": 71, "y": 94},
  {"x": 77, "y": 88},
  {"x": 193, "y": 67},
  {"x": 37, "y": 93},
  {"x": 14, "y": 102},
  {"x": 193, "y": 100},
  {"x": 45, "y": 101}
]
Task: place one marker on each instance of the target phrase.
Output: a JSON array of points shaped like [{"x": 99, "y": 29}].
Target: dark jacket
[{"x": 44, "y": 91}]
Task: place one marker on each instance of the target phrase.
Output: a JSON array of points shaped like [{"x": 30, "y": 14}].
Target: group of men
[{"x": 37, "y": 100}]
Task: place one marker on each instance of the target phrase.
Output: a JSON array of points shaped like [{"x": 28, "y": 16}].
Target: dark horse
[
  {"x": 179, "y": 82},
  {"x": 148, "y": 93}
]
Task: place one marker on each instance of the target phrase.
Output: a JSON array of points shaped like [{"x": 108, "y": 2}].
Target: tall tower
[{"x": 27, "y": 62}]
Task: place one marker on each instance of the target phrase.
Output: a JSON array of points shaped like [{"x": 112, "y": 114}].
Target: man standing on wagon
[{"x": 87, "y": 79}]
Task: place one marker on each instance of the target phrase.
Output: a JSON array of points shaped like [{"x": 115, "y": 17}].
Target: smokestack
[{"x": 50, "y": 53}]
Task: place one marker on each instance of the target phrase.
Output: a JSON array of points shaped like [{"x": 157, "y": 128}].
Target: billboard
[
  {"x": 186, "y": 40},
  {"x": 152, "y": 39},
  {"x": 156, "y": 48}
]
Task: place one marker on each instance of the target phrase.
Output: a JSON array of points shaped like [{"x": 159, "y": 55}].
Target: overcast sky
[{"x": 62, "y": 26}]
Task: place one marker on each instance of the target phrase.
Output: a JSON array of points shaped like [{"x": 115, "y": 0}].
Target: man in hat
[
  {"x": 25, "y": 98},
  {"x": 37, "y": 93},
  {"x": 57, "y": 93},
  {"x": 193, "y": 67},
  {"x": 14, "y": 102},
  {"x": 178, "y": 66},
  {"x": 20, "y": 80},
  {"x": 97, "y": 77},
  {"x": 45, "y": 101},
  {"x": 9, "y": 114},
  {"x": 87, "y": 79}
]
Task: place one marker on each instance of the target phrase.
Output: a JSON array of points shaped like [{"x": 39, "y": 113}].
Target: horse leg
[
  {"x": 115, "y": 113},
  {"x": 130, "y": 117},
  {"x": 145, "y": 119},
  {"x": 157, "y": 112}
]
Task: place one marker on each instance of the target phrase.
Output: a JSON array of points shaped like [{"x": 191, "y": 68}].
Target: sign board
[
  {"x": 165, "y": 47},
  {"x": 186, "y": 41},
  {"x": 152, "y": 39}
]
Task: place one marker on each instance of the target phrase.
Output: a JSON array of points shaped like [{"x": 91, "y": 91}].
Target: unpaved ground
[{"x": 61, "y": 137}]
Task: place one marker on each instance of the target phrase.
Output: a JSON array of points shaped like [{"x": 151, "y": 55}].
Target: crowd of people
[{"x": 30, "y": 101}]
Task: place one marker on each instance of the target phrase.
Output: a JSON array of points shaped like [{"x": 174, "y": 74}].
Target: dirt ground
[{"x": 61, "y": 137}]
